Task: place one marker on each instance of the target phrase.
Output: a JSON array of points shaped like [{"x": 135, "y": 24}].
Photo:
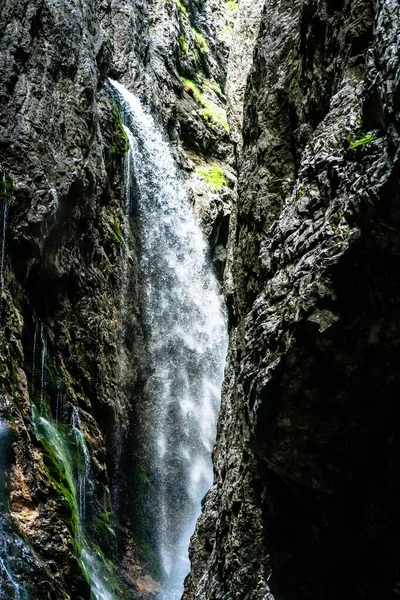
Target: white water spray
[
  {"x": 83, "y": 464},
  {"x": 186, "y": 340}
]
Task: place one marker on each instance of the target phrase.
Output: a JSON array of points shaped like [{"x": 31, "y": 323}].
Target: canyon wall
[
  {"x": 304, "y": 503},
  {"x": 73, "y": 345},
  {"x": 307, "y": 456}
]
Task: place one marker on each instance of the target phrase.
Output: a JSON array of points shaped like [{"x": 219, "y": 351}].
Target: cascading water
[
  {"x": 83, "y": 464},
  {"x": 55, "y": 438},
  {"x": 67, "y": 446},
  {"x": 187, "y": 342},
  {"x": 43, "y": 362}
]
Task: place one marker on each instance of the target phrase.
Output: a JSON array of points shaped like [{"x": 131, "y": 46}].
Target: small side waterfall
[
  {"x": 43, "y": 359},
  {"x": 66, "y": 448},
  {"x": 83, "y": 466},
  {"x": 187, "y": 340},
  {"x": 56, "y": 442}
]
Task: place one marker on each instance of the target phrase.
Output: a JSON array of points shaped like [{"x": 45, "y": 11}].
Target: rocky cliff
[
  {"x": 304, "y": 504},
  {"x": 73, "y": 350},
  {"x": 307, "y": 456}
]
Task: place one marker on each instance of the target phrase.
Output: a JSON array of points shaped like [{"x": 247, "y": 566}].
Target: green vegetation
[
  {"x": 212, "y": 86},
  {"x": 183, "y": 44},
  {"x": 117, "y": 234},
  {"x": 216, "y": 115},
  {"x": 232, "y": 6},
  {"x": 200, "y": 42},
  {"x": 181, "y": 8},
  {"x": 362, "y": 140},
  {"x": 120, "y": 142},
  {"x": 211, "y": 111},
  {"x": 63, "y": 457},
  {"x": 55, "y": 442},
  {"x": 190, "y": 86},
  {"x": 6, "y": 188},
  {"x": 214, "y": 176}
]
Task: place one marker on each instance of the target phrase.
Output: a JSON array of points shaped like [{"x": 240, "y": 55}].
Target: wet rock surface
[
  {"x": 71, "y": 338},
  {"x": 307, "y": 445},
  {"x": 306, "y": 460}
]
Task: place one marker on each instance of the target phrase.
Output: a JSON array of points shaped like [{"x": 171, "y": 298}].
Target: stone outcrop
[
  {"x": 307, "y": 456},
  {"x": 304, "y": 503},
  {"x": 70, "y": 316}
]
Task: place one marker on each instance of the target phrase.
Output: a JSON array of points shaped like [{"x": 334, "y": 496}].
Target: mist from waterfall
[{"x": 186, "y": 337}]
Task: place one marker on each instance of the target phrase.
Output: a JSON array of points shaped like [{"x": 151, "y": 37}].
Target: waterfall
[
  {"x": 83, "y": 464},
  {"x": 187, "y": 341},
  {"x": 56, "y": 443},
  {"x": 54, "y": 199}
]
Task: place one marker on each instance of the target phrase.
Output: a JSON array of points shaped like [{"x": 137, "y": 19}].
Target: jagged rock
[
  {"x": 62, "y": 343},
  {"x": 306, "y": 429}
]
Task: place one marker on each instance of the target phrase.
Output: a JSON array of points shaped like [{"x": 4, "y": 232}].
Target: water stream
[
  {"x": 186, "y": 335},
  {"x": 56, "y": 440},
  {"x": 66, "y": 446},
  {"x": 83, "y": 466}
]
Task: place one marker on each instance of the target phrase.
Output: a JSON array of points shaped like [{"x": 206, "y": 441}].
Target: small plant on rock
[
  {"x": 361, "y": 140},
  {"x": 214, "y": 176},
  {"x": 120, "y": 142}
]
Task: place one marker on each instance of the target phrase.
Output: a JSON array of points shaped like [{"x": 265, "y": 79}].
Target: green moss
[
  {"x": 214, "y": 176},
  {"x": 182, "y": 9},
  {"x": 117, "y": 234},
  {"x": 200, "y": 42},
  {"x": 58, "y": 461},
  {"x": 183, "y": 44},
  {"x": 190, "y": 86},
  {"x": 361, "y": 140},
  {"x": 212, "y": 86},
  {"x": 232, "y": 6},
  {"x": 211, "y": 111},
  {"x": 217, "y": 115},
  {"x": 6, "y": 188},
  {"x": 120, "y": 141}
]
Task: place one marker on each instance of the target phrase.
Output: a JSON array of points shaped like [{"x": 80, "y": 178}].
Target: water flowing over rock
[
  {"x": 281, "y": 121},
  {"x": 186, "y": 341}
]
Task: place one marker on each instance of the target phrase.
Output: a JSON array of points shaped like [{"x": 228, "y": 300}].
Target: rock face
[
  {"x": 305, "y": 500},
  {"x": 72, "y": 347},
  {"x": 307, "y": 456}
]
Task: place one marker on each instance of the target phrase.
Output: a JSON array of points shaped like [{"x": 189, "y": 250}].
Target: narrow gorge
[{"x": 199, "y": 292}]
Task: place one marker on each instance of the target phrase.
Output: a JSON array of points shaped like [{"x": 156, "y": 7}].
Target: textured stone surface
[
  {"x": 71, "y": 331},
  {"x": 244, "y": 37},
  {"x": 60, "y": 256},
  {"x": 307, "y": 426}
]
